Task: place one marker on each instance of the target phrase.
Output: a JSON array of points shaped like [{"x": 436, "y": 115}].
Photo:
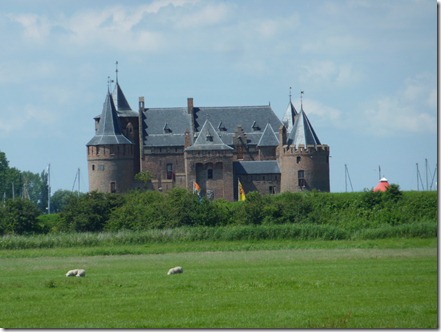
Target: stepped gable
[
  {"x": 252, "y": 119},
  {"x": 289, "y": 116},
  {"x": 256, "y": 167},
  {"x": 302, "y": 132},
  {"x": 165, "y": 126},
  {"x": 109, "y": 129},
  {"x": 208, "y": 139},
  {"x": 268, "y": 137}
]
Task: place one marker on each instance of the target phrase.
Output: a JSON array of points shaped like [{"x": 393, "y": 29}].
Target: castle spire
[
  {"x": 290, "y": 114},
  {"x": 301, "y": 99},
  {"x": 116, "y": 71},
  {"x": 109, "y": 128},
  {"x": 109, "y": 81}
]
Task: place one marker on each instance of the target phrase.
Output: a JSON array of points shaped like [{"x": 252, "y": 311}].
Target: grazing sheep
[
  {"x": 175, "y": 270},
  {"x": 76, "y": 273}
]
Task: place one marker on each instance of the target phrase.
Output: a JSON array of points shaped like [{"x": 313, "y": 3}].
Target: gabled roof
[
  {"x": 268, "y": 137},
  {"x": 289, "y": 117},
  {"x": 109, "y": 129},
  {"x": 208, "y": 139},
  {"x": 302, "y": 132},
  {"x": 121, "y": 104},
  {"x": 256, "y": 167}
]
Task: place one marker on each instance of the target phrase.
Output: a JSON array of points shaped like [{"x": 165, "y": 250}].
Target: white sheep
[
  {"x": 76, "y": 273},
  {"x": 175, "y": 270}
]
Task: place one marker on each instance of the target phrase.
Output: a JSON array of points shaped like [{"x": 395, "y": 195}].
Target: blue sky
[{"x": 368, "y": 70}]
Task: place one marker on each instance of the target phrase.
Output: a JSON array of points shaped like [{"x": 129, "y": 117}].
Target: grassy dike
[{"x": 382, "y": 283}]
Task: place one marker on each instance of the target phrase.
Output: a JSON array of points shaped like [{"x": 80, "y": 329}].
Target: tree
[
  {"x": 60, "y": 199},
  {"x": 89, "y": 212},
  {"x": 145, "y": 177},
  {"x": 19, "y": 216}
]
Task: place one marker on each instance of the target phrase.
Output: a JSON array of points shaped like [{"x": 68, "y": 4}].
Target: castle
[{"x": 215, "y": 149}]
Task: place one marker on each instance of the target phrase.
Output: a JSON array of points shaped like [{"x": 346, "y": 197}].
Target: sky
[{"x": 368, "y": 70}]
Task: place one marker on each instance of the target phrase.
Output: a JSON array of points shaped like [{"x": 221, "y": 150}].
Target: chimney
[
  {"x": 187, "y": 139},
  {"x": 141, "y": 103},
  {"x": 190, "y": 105}
]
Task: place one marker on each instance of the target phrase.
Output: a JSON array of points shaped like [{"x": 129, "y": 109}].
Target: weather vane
[
  {"x": 301, "y": 98},
  {"x": 109, "y": 81},
  {"x": 116, "y": 70}
]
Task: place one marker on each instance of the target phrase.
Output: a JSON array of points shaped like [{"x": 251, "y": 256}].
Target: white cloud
[
  {"x": 328, "y": 72},
  {"x": 30, "y": 116},
  {"x": 322, "y": 114},
  {"x": 410, "y": 110}
]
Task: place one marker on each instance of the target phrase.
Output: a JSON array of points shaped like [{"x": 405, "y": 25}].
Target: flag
[
  {"x": 241, "y": 192},
  {"x": 196, "y": 188}
]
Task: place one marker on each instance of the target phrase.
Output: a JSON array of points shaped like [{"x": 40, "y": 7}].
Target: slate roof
[
  {"x": 289, "y": 116},
  {"x": 256, "y": 167},
  {"x": 224, "y": 120},
  {"x": 208, "y": 139},
  {"x": 165, "y": 126},
  {"x": 121, "y": 104},
  {"x": 109, "y": 128},
  {"x": 251, "y": 118},
  {"x": 302, "y": 132},
  {"x": 268, "y": 137}
]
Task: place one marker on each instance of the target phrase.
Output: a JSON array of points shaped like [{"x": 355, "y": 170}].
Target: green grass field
[{"x": 329, "y": 284}]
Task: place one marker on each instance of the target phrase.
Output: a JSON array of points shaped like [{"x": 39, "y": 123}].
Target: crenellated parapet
[{"x": 301, "y": 149}]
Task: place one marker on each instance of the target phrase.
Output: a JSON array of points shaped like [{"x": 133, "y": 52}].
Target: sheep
[
  {"x": 175, "y": 270},
  {"x": 81, "y": 273},
  {"x": 76, "y": 273}
]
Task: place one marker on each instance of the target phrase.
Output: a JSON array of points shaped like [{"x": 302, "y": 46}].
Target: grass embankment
[
  {"x": 228, "y": 233},
  {"x": 389, "y": 283}
]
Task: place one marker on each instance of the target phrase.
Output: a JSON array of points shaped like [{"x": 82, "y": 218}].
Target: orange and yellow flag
[
  {"x": 196, "y": 188},
  {"x": 241, "y": 192}
]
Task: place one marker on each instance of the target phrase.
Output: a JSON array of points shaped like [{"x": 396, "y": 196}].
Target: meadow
[{"x": 285, "y": 283}]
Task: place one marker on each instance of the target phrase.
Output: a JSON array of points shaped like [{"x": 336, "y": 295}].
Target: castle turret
[
  {"x": 304, "y": 161},
  {"x": 110, "y": 154}
]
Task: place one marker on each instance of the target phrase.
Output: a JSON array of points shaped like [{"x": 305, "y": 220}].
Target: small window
[
  {"x": 112, "y": 187},
  {"x": 210, "y": 173},
  {"x": 272, "y": 190},
  {"x": 298, "y": 159},
  {"x": 93, "y": 167},
  {"x": 169, "y": 171},
  {"x": 301, "y": 177}
]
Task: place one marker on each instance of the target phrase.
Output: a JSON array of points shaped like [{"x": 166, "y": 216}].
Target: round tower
[
  {"x": 110, "y": 154},
  {"x": 303, "y": 160}
]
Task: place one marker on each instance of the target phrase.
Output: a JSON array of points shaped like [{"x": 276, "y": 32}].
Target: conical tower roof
[
  {"x": 289, "y": 117},
  {"x": 109, "y": 129},
  {"x": 302, "y": 132},
  {"x": 121, "y": 104}
]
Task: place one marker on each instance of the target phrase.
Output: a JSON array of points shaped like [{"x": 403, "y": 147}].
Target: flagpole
[{"x": 49, "y": 189}]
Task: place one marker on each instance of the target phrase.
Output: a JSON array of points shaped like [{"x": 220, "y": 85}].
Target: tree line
[{"x": 144, "y": 210}]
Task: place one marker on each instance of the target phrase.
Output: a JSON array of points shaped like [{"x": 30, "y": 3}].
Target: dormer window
[
  {"x": 221, "y": 127},
  {"x": 167, "y": 129},
  {"x": 255, "y": 127},
  {"x": 209, "y": 137}
]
